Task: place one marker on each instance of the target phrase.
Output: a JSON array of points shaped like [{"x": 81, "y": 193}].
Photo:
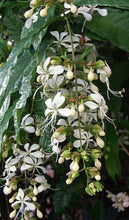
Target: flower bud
[
  {"x": 7, "y": 190},
  {"x": 69, "y": 181},
  {"x": 61, "y": 160},
  {"x": 90, "y": 76},
  {"x": 74, "y": 175},
  {"x": 69, "y": 74},
  {"x": 73, "y": 112},
  {"x": 126, "y": 204},
  {"x": 39, "y": 79},
  {"x": 66, "y": 154},
  {"x": 39, "y": 214},
  {"x": 97, "y": 177},
  {"x": 43, "y": 12},
  {"x": 74, "y": 166},
  {"x": 33, "y": 3},
  {"x": 28, "y": 13},
  {"x": 12, "y": 214},
  {"x": 73, "y": 8},
  {"x": 97, "y": 163},
  {"x": 5, "y": 154},
  {"x": 35, "y": 191},
  {"x": 11, "y": 200},
  {"x": 34, "y": 199},
  {"x": 102, "y": 133},
  {"x": 100, "y": 142},
  {"x": 81, "y": 108},
  {"x": 37, "y": 132}
]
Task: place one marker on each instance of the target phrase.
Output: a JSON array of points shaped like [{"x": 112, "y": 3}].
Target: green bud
[
  {"x": 66, "y": 154},
  {"x": 99, "y": 64}
]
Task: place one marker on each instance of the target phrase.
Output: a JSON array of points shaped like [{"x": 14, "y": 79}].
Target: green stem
[{"x": 75, "y": 74}]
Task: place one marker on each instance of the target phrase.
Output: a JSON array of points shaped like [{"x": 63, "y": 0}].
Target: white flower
[
  {"x": 10, "y": 165},
  {"x": 70, "y": 8},
  {"x": 83, "y": 136},
  {"x": 32, "y": 151},
  {"x": 56, "y": 81},
  {"x": 43, "y": 183},
  {"x": 63, "y": 39},
  {"x": 32, "y": 165},
  {"x": 105, "y": 72},
  {"x": 82, "y": 86},
  {"x": 31, "y": 20},
  {"x": 27, "y": 122},
  {"x": 98, "y": 103},
  {"x": 23, "y": 201},
  {"x": 45, "y": 71},
  {"x": 54, "y": 106},
  {"x": 86, "y": 12}
]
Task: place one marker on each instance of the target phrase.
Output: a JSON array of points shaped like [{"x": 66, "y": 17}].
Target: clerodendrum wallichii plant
[{"x": 74, "y": 115}]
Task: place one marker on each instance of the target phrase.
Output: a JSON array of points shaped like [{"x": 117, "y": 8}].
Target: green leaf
[
  {"x": 112, "y": 162},
  {"x": 13, "y": 4},
  {"x": 13, "y": 24},
  {"x": 112, "y": 27},
  {"x": 85, "y": 53},
  {"x": 16, "y": 76},
  {"x": 3, "y": 49},
  {"x": 111, "y": 3},
  {"x": 63, "y": 196}
]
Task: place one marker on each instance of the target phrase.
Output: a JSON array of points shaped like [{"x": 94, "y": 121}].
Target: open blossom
[
  {"x": 87, "y": 11},
  {"x": 120, "y": 200},
  {"x": 86, "y": 138},
  {"x": 42, "y": 181},
  {"x": 23, "y": 201},
  {"x": 46, "y": 70},
  {"x": 98, "y": 103},
  {"x": 56, "y": 81},
  {"x": 54, "y": 106},
  {"x": 32, "y": 151},
  {"x": 33, "y": 165},
  {"x": 27, "y": 123}
]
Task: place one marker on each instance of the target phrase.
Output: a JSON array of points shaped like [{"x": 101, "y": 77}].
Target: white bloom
[
  {"x": 43, "y": 183},
  {"x": 56, "y": 81},
  {"x": 32, "y": 151},
  {"x": 98, "y": 103},
  {"x": 105, "y": 72},
  {"x": 31, "y": 20},
  {"x": 69, "y": 8},
  {"x": 86, "y": 12},
  {"x": 27, "y": 123},
  {"x": 32, "y": 165},
  {"x": 23, "y": 201},
  {"x": 45, "y": 71},
  {"x": 10, "y": 165},
  {"x": 54, "y": 106},
  {"x": 63, "y": 39},
  {"x": 82, "y": 86},
  {"x": 83, "y": 137}
]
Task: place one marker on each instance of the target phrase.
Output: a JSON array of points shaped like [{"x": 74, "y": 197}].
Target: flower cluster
[
  {"x": 120, "y": 200},
  {"x": 75, "y": 109},
  {"x": 24, "y": 168}
]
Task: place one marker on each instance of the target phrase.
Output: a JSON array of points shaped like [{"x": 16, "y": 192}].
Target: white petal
[
  {"x": 102, "y": 78},
  {"x": 39, "y": 70},
  {"x": 64, "y": 112},
  {"x": 91, "y": 105},
  {"x": 46, "y": 63},
  {"x": 55, "y": 34},
  {"x": 26, "y": 167},
  {"x": 49, "y": 103},
  {"x": 66, "y": 5},
  {"x": 48, "y": 112},
  {"x": 34, "y": 147},
  {"x": 58, "y": 100},
  {"x": 13, "y": 169},
  {"x": 62, "y": 35},
  {"x": 24, "y": 119},
  {"x": 29, "y": 129},
  {"x": 26, "y": 147},
  {"x": 28, "y": 23},
  {"x": 28, "y": 160},
  {"x": 30, "y": 206},
  {"x": 20, "y": 194},
  {"x": 37, "y": 154},
  {"x": 61, "y": 138},
  {"x": 56, "y": 69},
  {"x": 102, "y": 12},
  {"x": 78, "y": 143},
  {"x": 29, "y": 121},
  {"x": 62, "y": 122}
]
